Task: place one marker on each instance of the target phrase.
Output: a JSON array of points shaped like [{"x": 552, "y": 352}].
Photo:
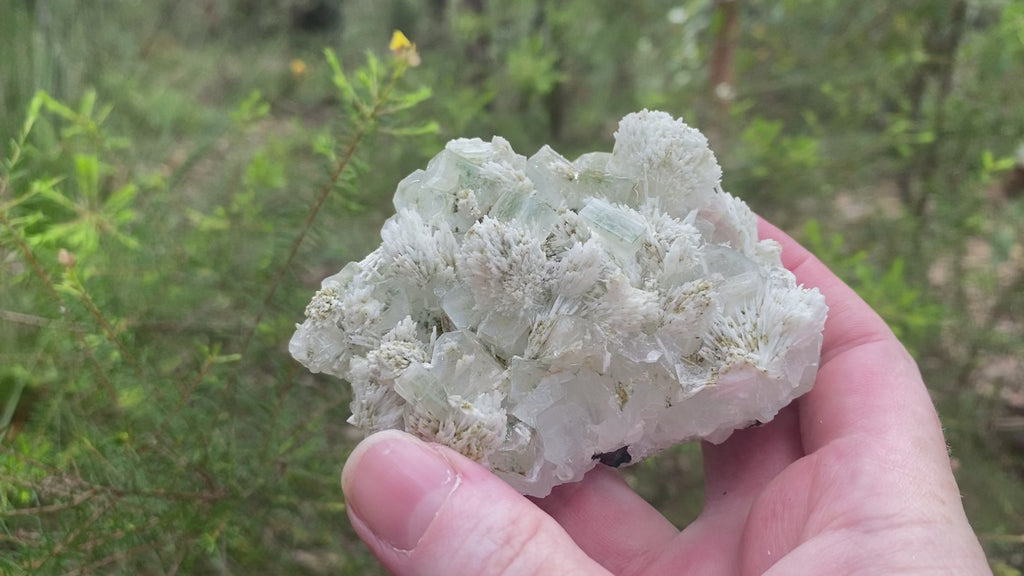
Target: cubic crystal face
[{"x": 542, "y": 316}]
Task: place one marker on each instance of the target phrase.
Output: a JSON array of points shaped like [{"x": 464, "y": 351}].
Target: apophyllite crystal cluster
[{"x": 541, "y": 316}]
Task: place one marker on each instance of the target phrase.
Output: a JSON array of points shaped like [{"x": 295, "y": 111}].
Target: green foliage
[
  {"x": 177, "y": 177},
  {"x": 912, "y": 317},
  {"x": 775, "y": 166},
  {"x": 533, "y": 68},
  {"x": 250, "y": 110},
  {"x": 148, "y": 445}
]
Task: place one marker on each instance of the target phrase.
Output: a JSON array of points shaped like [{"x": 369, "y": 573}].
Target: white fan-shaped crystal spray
[{"x": 543, "y": 316}]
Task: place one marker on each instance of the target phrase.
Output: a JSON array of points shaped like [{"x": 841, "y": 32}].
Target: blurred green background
[{"x": 178, "y": 176}]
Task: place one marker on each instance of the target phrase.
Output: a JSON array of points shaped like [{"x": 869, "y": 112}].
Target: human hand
[{"x": 853, "y": 478}]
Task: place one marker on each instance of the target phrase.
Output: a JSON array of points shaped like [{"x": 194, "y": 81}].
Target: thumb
[{"x": 425, "y": 509}]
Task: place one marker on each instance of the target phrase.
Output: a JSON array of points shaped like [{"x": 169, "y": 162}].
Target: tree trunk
[
  {"x": 722, "y": 73},
  {"x": 941, "y": 45},
  {"x": 722, "y": 76}
]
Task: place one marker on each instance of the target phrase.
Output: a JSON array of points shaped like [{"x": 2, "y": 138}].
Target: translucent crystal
[{"x": 543, "y": 316}]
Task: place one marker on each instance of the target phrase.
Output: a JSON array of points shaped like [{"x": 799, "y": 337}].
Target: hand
[{"x": 854, "y": 478}]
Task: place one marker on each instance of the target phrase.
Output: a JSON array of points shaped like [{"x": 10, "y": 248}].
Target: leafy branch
[
  {"x": 82, "y": 122},
  {"x": 370, "y": 98}
]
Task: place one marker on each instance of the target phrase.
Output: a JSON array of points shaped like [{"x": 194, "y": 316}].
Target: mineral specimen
[{"x": 542, "y": 316}]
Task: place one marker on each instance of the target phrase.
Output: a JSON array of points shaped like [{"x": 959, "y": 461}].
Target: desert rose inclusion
[{"x": 542, "y": 316}]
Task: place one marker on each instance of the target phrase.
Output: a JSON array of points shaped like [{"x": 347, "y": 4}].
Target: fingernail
[{"x": 395, "y": 485}]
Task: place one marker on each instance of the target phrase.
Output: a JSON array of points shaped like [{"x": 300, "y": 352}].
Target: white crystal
[{"x": 542, "y": 316}]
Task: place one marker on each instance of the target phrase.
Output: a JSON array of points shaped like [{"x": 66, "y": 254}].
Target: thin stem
[
  {"x": 71, "y": 537},
  {"x": 306, "y": 226},
  {"x": 278, "y": 408},
  {"x": 29, "y": 256},
  {"x": 51, "y": 508},
  {"x": 362, "y": 130},
  {"x": 185, "y": 395},
  {"x": 212, "y": 496},
  {"x": 26, "y": 319},
  {"x": 101, "y": 321},
  {"x": 37, "y": 269},
  {"x": 116, "y": 535},
  {"x": 113, "y": 558},
  {"x": 1002, "y": 307}
]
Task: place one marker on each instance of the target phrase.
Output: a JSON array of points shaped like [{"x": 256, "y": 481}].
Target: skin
[{"x": 852, "y": 479}]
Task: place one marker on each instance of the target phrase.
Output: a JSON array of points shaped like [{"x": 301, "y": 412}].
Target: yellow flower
[
  {"x": 297, "y": 67},
  {"x": 402, "y": 49},
  {"x": 399, "y": 42}
]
